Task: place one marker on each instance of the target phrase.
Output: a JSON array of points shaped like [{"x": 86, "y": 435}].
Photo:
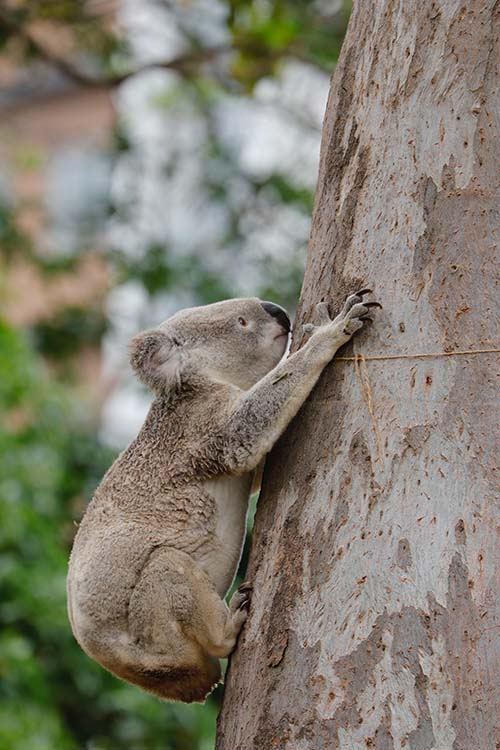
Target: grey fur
[{"x": 159, "y": 545}]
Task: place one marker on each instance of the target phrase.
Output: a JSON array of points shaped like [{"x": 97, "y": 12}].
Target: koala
[{"x": 159, "y": 545}]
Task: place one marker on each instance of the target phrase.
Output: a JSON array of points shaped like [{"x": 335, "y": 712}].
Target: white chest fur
[{"x": 231, "y": 495}]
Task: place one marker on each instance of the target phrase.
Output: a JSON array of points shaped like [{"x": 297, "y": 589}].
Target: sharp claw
[
  {"x": 245, "y": 586},
  {"x": 372, "y": 304},
  {"x": 244, "y": 605},
  {"x": 365, "y": 318},
  {"x": 364, "y": 291}
]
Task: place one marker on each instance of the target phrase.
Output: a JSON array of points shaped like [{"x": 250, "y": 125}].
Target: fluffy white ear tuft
[{"x": 156, "y": 359}]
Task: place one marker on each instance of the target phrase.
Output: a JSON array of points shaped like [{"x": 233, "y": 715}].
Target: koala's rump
[
  {"x": 104, "y": 569},
  {"x": 114, "y": 544},
  {"x": 121, "y": 622}
]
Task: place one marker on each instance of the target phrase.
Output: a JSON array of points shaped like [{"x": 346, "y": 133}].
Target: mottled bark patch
[
  {"x": 403, "y": 554},
  {"x": 354, "y": 671},
  {"x": 344, "y": 165},
  {"x": 382, "y": 738},
  {"x": 426, "y": 33},
  {"x": 339, "y": 232},
  {"x": 460, "y": 535},
  {"x": 289, "y": 563},
  {"x": 422, "y": 738},
  {"x": 459, "y": 623},
  {"x": 422, "y": 254},
  {"x": 416, "y": 436},
  {"x": 289, "y": 715}
]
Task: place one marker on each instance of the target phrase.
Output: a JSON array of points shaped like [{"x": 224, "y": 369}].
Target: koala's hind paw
[
  {"x": 241, "y": 598},
  {"x": 245, "y": 586}
]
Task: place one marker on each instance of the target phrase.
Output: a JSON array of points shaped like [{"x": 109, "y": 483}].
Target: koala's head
[{"x": 237, "y": 341}]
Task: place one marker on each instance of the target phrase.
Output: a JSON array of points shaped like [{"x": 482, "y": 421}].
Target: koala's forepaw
[{"x": 351, "y": 319}]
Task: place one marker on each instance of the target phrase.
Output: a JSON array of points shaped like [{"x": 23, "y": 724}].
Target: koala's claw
[
  {"x": 354, "y": 299},
  {"x": 356, "y": 312},
  {"x": 246, "y": 591},
  {"x": 240, "y": 601}
]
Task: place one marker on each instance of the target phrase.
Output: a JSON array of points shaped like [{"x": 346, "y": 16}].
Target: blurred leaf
[
  {"x": 68, "y": 331},
  {"x": 12, "y": 241}
]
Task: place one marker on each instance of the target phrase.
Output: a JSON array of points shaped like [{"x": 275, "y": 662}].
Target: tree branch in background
[{"x": 185, "y": 64}]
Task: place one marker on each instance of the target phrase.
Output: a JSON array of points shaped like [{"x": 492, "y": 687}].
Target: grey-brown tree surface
[{"x": 375, "y": 621}]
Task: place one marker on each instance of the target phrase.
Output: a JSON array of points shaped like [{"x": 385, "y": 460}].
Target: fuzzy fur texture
[{"x": 159, "y": 545}]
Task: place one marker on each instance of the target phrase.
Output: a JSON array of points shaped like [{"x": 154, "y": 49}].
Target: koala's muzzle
[{"x": 279, "y": 313}]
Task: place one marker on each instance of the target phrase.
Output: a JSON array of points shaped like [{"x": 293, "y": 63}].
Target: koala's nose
[{"x": 279, "y": 313}]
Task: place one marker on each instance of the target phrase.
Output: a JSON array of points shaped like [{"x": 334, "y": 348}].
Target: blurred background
[{"x": 153, "y": 155}]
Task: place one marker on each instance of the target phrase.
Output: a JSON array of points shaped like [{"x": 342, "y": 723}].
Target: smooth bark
[{"x": 375, "y": 621}]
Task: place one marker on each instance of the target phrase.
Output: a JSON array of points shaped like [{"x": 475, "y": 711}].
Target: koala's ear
[{"x": 156, "y": 359}]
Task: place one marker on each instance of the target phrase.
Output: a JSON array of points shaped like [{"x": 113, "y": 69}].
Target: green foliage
[
  {"x": 87, "y": 29},
  {"x": 12, "y": 240},
  {"x": 264, "y": 32},
  {"x": 51, "y": 694},
  {"x": 64, "y": 334}
]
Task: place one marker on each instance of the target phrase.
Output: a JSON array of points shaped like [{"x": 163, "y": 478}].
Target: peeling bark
[{"x": 375, "y": 621}]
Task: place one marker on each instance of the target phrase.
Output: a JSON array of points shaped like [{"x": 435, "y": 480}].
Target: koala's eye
[{"x": 243, "y": 322}]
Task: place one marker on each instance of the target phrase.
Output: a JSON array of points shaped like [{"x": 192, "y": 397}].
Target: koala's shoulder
[
  {"x": 203, "y": 408},
  {"x": 175, "y": 431}
]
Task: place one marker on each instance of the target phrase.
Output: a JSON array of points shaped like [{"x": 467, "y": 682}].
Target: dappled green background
[{"x": 54, "y": 446}]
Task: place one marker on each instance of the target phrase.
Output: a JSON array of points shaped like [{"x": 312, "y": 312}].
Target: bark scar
[{"x": 276, "y": 653}]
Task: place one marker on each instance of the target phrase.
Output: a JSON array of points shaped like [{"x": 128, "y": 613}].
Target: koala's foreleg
[{"x": 263, "y": 412}]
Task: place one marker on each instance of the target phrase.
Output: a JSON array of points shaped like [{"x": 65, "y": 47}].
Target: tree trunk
[{"x": 375, "y": 621}]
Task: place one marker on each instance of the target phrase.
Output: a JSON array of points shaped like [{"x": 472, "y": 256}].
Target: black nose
[{"x": 279, "y": 313}]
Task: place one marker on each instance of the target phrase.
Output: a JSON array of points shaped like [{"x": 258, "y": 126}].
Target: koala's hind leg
[
  {"x": 219, "y": 632},
  {"x": 174, "y": 609}
]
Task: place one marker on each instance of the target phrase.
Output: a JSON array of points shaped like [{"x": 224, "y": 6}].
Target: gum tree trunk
[{"x": 375, "y": 621}]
